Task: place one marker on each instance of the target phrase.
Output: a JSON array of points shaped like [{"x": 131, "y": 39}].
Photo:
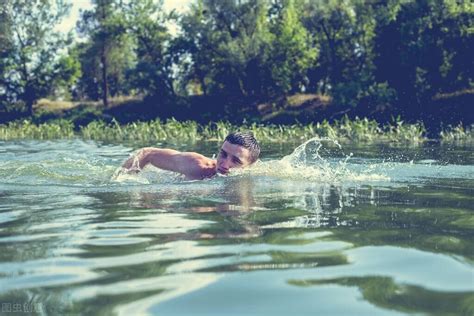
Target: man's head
[{"x": 240, "y": 149}]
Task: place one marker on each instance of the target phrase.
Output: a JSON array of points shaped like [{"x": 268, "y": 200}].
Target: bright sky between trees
[{"x": 69, "y": 23}]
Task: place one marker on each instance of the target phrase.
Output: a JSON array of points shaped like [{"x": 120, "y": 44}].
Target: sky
[{"x": 69, "y": 22}]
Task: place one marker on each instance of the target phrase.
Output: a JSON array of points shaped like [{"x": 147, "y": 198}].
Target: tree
[
  {"x": 29, "y": 58},
  {"x": 68, "y": 71},
  {"x": 109, "y": 51},
  {"x": 345, "y": 32},
  {"x": 6, "y": 43},
  {"x": 153, "y": 46},
  {"x": 427, "y": 49},
  {"x": 293, "y": 50},
  {"x": 229, "y": 46}
]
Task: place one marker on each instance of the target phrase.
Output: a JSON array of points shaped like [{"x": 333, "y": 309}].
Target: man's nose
[{"x": 225, "y": 164}]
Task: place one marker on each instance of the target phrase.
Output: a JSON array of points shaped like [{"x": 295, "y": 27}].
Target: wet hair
[{"x": 246, "y": 140}]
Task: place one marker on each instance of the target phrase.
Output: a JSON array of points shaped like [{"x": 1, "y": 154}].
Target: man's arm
[{"x": 192, "y": 165}]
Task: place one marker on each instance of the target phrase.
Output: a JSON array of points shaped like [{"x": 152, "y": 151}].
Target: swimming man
[{"x": 239, "y": 150}]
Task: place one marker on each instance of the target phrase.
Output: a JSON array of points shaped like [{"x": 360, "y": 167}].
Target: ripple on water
[{"x": 304, "y": 234}]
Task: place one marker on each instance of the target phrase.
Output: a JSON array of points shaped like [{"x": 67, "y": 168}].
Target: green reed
[
  {"x": 345, "y": 130},
  {"x": 142, "y": 131},
  {"x": 457, "y": 134},
  {"x": 399, "y": 131},
  {"x": 27, "y": 130}
]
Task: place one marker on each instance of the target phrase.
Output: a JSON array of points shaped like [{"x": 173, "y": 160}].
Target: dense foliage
[
  {"x": 400, "y": 54},
  {"x": 30, "y": 63}
]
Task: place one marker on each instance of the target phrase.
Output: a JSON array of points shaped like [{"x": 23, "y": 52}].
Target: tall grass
[
  {"x": 27, "y": 130},
  {"x": 457, "y": 134},
  {"x": 344, "y": 130},
  {"x": 360, "y": 130},
  {"x": 141, "y": 131}
]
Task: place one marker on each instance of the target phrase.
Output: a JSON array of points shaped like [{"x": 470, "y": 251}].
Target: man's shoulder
[
  {"x": 201, "y": 158},
  {"x": 206, "y": 162},
  {"x": 198, "y": 166}
]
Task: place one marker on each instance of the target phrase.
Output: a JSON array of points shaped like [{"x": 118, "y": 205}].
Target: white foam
[{"x": 307, "y": 163}]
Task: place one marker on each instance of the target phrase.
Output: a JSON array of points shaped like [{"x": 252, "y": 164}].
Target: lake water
[{"x": 357, "y": 230}]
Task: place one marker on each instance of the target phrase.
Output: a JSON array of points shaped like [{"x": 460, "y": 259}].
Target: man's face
[{"x": 232, "y": 156}]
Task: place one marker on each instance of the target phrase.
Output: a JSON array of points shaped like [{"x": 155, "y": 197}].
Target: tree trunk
[
  {"x": 105, "y": 86},
  {"x": 29, "y": 98},
  {"x": 103, "y": 61},
  {"x": 334, "y": 65},
  {"x": 29, "y": 105}
]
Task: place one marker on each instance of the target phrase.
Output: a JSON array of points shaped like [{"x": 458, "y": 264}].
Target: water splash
[
  {"x": 147, "y": 175},
  {"x": 318, "y": 159},
  {"x": 132, "y": 174},
  {"x": 321, "y": 159}
]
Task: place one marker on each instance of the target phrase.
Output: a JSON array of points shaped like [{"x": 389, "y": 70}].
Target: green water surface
[{"x": 388, "y": 231}]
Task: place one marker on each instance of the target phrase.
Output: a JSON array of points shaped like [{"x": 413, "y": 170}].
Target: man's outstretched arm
[{"x": 192, "y": 165}]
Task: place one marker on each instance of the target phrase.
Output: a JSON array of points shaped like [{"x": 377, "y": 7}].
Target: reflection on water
[{"x": 312, "y": 233}]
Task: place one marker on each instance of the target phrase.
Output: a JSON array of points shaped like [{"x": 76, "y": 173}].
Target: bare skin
[{"x": 193, "y": 165}]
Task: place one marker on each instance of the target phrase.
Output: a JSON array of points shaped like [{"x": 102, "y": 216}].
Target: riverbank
[
  {"x": 436, "y": 114},
  {"x": 290, "y": 118}
]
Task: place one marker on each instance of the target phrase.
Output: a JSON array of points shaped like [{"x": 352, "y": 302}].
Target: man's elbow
[{"x": 138, "y": 161}]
